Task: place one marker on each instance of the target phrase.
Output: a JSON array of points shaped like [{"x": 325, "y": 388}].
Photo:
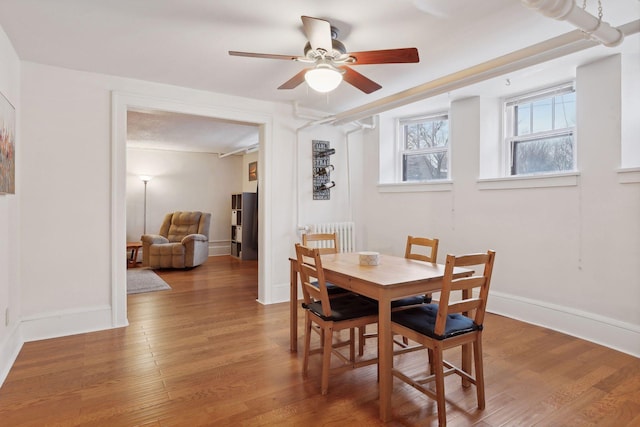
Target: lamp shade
[
  {"x": 323, "y": 78},
  {"x": 145, "y": 178}
]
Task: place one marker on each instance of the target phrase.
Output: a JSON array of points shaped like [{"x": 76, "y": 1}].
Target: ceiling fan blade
[
  {"x": 263, "y": 55},
  {"x": 294, "y": 81},
  {"x": 356, "y": 79},
  {"x": 388, "y": 56},
  {"x": 318, "y": 32}
]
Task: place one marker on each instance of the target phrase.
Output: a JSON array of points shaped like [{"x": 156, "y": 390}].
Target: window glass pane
[
  {"x": 425, "y": 166},
  {"x": 523, "y": 119},
  {"x": 439, "y": 134},
  {"x": 542, "y": 115},
  {"x": 428, "y": 134},
  {"x": 543, "y": 155},
  {"x": 411, "y": 137},
  {"x": 565, "y": 110}
]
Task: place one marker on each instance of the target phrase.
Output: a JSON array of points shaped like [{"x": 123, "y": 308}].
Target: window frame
[
  {"x": 401, "y": 150},
  {"x": 509, "y": 140}
]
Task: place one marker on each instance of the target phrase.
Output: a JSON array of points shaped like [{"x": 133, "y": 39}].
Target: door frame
[{"x": 121, "y": 102}]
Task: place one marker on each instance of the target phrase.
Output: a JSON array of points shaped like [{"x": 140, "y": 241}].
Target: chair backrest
[
  {"x": 177, "y": 225},
  {"x": 310, "y": 268},
  {"x": 323, "y": 242},
  {"x": 471, "y": 306},
  {"x": 430, "y": 246}
]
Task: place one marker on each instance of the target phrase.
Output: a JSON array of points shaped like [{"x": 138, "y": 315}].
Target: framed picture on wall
[
  {"x": 7, "y": 146},
  {"x": 253, "y": 171}
]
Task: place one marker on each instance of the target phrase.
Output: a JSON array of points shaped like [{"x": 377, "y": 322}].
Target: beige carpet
[{"x": 141, "y": 280}]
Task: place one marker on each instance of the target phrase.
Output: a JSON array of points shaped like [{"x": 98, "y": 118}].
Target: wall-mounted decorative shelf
[{"x": 322, "y": 168}]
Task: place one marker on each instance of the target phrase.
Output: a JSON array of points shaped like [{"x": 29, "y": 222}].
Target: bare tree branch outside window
[{"x": 426, "y": 151}]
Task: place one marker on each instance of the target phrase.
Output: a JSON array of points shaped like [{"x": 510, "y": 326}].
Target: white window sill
[
  {"x": 629, "y": 175},
  {"x": 530, "y": 181},
  {"x": 415, "y": 187}
]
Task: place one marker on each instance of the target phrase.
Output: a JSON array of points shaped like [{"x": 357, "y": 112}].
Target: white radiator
[{"x": 345, "y": 230}]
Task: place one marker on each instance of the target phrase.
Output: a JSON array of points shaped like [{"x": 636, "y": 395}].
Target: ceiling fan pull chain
[
  {"x": 584, "y": 7},
  {"x": 599, "y": 10}
]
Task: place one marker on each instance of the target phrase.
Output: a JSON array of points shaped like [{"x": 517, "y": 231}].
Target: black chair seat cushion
[
  {"x": 345, "y": 307},
  {"x": 419, "y": 299},
  {"x": 422, "y": 319},
  {"x": 332, "y": 289}
]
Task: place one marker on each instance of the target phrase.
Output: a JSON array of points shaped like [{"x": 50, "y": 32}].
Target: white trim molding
[
  {"x": 282, "y": 292},
  {"x": 9, "y": 349},
  {"x": 612, "y": 333},
  {"x": 51, "y": 325},
  {"x": 415, "y": 187},
  {"x": 120, "y": 103},
  {"x": 219, "y": 247},
  {"x": 66, "y": 322},
  {"x": 629, "y": 175},
  {"x": 529, "y": 181}
]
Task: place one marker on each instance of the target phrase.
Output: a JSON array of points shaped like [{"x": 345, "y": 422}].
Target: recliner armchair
[{"x": 183, "y": 241}]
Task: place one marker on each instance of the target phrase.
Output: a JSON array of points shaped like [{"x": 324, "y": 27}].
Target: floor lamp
[{"x": 145, "y": 179}]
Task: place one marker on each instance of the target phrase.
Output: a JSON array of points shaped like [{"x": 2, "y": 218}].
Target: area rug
[{"x": 141, "y": 280}]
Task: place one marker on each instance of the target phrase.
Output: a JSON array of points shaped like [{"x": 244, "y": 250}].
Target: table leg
[
  {"x": 385, "y": 357},
  {"x": 293, "y": 306},
  {"x": 130, "y": 261},
  {"x": 134, "y": 257},
  {"x": 466, "y": 349}
]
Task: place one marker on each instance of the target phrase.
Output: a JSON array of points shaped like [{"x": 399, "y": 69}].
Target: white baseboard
[
  {"x": 615, "y": 334},
  {"x": 218, "y": 248},
  {"x": 51, "y": 325},
  {"x": 621, "y": 336},
  {"x": 280, "y": 293},
  {"x": 9, "y": 349},
  {"x": 64, "y": 323}
]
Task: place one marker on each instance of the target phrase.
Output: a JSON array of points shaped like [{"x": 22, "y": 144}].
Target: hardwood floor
[{"x": 207, "y": 354}]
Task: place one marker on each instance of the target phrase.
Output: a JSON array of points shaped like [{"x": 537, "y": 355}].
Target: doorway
[{"x": 121, "y": 104}]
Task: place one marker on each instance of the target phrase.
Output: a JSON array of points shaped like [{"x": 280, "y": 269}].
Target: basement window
[
  {"x": 424, "y": 148},
  {"x": 540, "y": 132}
]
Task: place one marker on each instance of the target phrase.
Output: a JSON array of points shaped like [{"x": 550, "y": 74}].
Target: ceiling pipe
[
  {"x": 547, "y": 50},
  {"x": 567, "y": 10},
  {"x": 246, "y": 150},
  {"x": 300, "y": 115},
  {"x": 360, "y": 127}
]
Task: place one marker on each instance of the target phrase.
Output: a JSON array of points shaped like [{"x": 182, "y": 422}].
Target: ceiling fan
[{"x": 331, "y": 62}]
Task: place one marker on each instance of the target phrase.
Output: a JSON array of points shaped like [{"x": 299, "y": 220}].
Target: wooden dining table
[{"x": 393, "y": 278}]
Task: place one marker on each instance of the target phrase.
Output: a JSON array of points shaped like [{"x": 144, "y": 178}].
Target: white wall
[
  {"x": 10, "y": 339},
  {"x": 182, "y": 181},
  {"x": 631, "y": 107},
  {"x": 338, "y": 207},
  {"x": 567, "y": 257},
  {"x": 67, "y": 283}
]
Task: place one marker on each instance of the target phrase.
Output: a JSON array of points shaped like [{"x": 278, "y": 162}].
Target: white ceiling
[
  {"x": 184, "y": 132},
  {"x": 186, "y": 43}
]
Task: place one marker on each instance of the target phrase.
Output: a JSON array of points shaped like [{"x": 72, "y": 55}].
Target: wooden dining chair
[
  {"x": 450, "y": 323},
  {"x": 421, "y": 249},
  {"x": 326, "y": 243},
  {"x": 326, "y": 316},
  {"x": 427, "y": 249}
]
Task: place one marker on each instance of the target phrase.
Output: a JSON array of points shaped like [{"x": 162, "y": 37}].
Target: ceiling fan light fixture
[{"x": 323, "y": 78}]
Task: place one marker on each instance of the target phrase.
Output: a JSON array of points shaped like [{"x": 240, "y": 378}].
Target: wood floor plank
[{"x": 206, "y": 353}]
